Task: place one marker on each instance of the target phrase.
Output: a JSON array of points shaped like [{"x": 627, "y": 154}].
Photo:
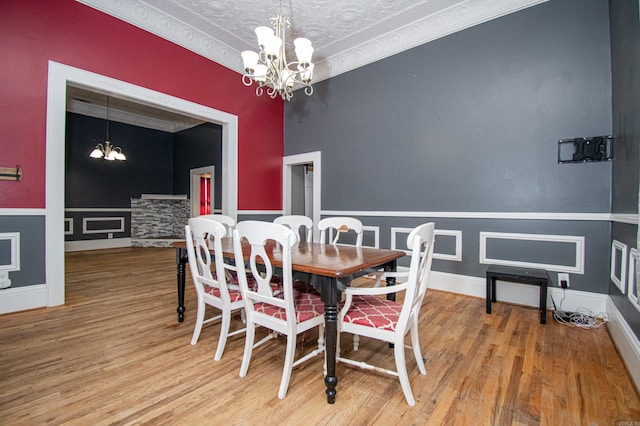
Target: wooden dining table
[{"x": 329, "y": 268}]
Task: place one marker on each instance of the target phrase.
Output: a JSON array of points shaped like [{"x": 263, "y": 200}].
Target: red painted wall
[{"x": 68, "y": 32}]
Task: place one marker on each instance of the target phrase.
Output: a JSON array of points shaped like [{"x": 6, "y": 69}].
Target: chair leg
[
  {"x": 224, "y": 331},
  {"x": 415, "y": 344},
  {"x": 401, "y": 368},
  {"x": 199, "y": 322},
  {"x": 248, "y": 347},
  {"x": 356, "y": 342},
  {"x": 288, "y": 365}
]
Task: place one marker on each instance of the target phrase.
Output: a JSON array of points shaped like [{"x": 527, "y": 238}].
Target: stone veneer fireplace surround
[{"x": 157, "y": 220}]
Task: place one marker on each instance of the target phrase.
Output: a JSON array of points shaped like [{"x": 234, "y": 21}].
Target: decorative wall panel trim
[
  {"x": 456, "y": 257},
  {"x": 87, "y": 221},
  {"x": 14, "y": 256},
  {"x": 376, "y": 235},
  {"x": 618, "y": 263},
  {"x": 576, "y": 268},
  {"x": 96, "y": 210},
  {"x": 68, "y": 226},
  {"x": 631, "y": 219},
  {"x": 633, "y": 290},
  {"x": 475, "y": 215}
]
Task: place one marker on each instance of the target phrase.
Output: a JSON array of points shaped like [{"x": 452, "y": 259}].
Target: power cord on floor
[{"x": 582, "y": 317}]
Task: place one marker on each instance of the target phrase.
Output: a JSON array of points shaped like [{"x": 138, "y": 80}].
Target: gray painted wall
[
  {"x": 470, "y": 123},
  {"x": 31, "y": 253},
  {"x": 625, "y": 65}
]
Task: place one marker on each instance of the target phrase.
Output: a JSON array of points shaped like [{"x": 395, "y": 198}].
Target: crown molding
[
  {"x": 429, "y": 28},
  {"x": 155, "y": 21},
  {"x": 458, "y": 17},
  {"x": 173, "y": 125}
]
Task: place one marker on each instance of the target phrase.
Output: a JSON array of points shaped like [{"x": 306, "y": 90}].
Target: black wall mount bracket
[{"x": 584, "y": 150}]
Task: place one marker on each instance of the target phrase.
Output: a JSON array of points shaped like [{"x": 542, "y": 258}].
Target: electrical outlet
[{"x": 563, "y": 280}]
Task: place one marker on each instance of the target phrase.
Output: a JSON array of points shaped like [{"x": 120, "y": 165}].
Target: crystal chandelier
[
  {"x": 269, "y": 68},
  {"x": 108, "y": 151}
]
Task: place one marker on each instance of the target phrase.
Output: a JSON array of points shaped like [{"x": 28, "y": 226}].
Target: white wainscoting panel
[
  {"x": 376, "y": 234},
  {"x": 87, "y": 220},
  {"x": 633, "y": 291},
  {"x": 14, "y": 256},
  {"x": 619, "y": 263},
  {"x": 457, "y": 256},
  {"x": 68, "y": 226},
  {"x": 578, "y": 241}
]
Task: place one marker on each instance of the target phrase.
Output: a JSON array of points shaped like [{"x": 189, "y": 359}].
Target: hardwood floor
[{"x": 116, "y": 354}]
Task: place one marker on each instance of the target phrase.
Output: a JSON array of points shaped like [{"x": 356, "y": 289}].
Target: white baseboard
[
  {"x": 521, "y": 294},
  {"x": 97, "y": 244},
  {"x": 23, "y": 298},
  {"x": 626, "y": 341}
]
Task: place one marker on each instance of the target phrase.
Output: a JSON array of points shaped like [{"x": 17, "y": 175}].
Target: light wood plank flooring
[{"x": 116, "y": 354}]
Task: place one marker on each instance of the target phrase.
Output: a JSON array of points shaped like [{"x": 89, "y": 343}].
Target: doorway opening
[
  {"x": 59, "y": 77},
  {"x": 202, "y": 190},
  {"x": 302, "y": 186}
]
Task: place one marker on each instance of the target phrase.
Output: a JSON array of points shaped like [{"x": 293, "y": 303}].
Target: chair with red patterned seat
[
  {"x": 289, "y": 312},
  {"x": 212, "y": 287},
  {"x": 367, "y": 314}
]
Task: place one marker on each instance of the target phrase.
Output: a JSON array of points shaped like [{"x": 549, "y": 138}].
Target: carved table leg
[
  {"x": 181, "y": 261},
  {"x": 330, "y": 297}
]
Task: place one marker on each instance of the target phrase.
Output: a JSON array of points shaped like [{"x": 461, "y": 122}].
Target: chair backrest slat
[
  {"x": 340, "y": 225},
  {"x": 202, "y": 234},
  {"x": 296, "y": 222},
  {"x": 258, "y": 234},
  {"x": 420, "y": 241}
]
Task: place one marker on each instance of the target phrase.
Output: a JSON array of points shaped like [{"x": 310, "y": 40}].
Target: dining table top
[{"x": 330, "y": 260}]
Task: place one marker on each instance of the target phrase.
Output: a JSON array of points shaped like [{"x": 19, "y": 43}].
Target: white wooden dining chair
[
  {"x": 366, "y": 313},
  {"x": 290, "y": 312},
  {"x": 298, "y": 223},
  {"x": 340, "y": 225},
  {"x": 228, "y": 222},
  {"x": 212, "y": 289}
]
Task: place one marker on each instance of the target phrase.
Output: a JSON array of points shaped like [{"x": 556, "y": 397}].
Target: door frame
[
  {"x": 194, "y": 188},
  {"x": 315, "y": 159},
  {"x": 59, "y": 77}
]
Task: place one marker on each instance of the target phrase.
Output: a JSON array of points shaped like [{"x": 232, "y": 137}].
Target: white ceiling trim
[
  {"x": 150, "y": 19},
  {"x": 429, "y": 28},
  {"x": 461, "y": 15}
]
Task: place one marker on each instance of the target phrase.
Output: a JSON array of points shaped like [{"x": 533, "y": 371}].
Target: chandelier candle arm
[{"x": 269, "y": 67}]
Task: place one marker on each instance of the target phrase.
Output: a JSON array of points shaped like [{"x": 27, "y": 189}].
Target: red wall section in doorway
[{"x": 68, "y": 32}]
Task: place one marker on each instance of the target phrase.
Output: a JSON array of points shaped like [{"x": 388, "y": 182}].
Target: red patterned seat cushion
[
  {"x": 374, "y": 312},
  {"x": 234, "y": 294},
  {"x": 307, "y": 305}
]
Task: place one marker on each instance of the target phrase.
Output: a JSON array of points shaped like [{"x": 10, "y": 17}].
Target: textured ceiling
[{"x": 346, "y": 34}]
